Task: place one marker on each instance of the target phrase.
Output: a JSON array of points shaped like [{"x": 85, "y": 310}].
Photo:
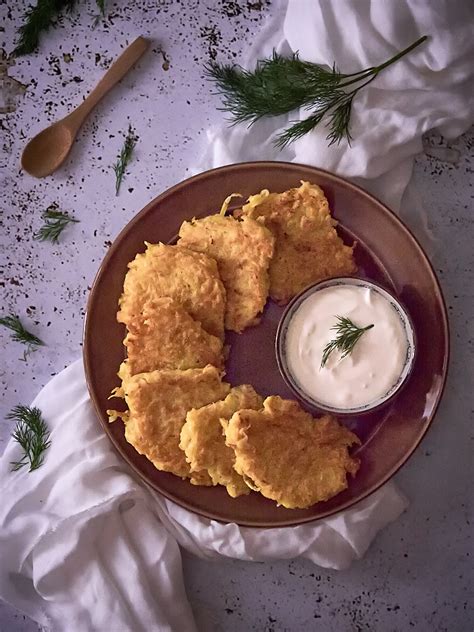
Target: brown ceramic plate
[{"x": 386, "y": 253}]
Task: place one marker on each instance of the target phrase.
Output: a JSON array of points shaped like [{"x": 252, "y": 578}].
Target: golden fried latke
[
  {"x": 243, "y": 250},
  {"x": 307, "y": 247},
  {"x": 158, "y": 403},
  {"x": 190, "y": 278},
  {"x": 288, "y": 455},
  {"x": 203, "y": 440},
  {"x": 165, "y": 336}
]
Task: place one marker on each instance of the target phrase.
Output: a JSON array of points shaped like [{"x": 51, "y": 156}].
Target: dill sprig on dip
[
  {"x": 55, "y": 222},
  {"x": 348, "y": 334},
  {"x": 38, "y": 19},
  {"x": 280, "y": 84},
  {"x": 20, "y": 334},
  {"x": 125, "y": 157},
  {"x": 32, "y": 433}
]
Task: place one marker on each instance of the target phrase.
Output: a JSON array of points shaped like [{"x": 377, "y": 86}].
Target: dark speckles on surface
[
  {"x": 213, "y": 38},
  {"x": 231, "y": 8},
  {"x": 10, "y": 88},
  {"x": 418, "y": 573},
  {"x": 164, "y": 56}
]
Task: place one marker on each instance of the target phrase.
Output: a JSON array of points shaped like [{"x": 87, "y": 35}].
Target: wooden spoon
[{"x": 48, "y": 150}]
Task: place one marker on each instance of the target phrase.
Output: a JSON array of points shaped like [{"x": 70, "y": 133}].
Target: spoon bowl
[{"x": 48, "y": 150}]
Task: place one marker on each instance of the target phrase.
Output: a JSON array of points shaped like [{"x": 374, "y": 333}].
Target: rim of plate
[{"x": 242, "y": 166}]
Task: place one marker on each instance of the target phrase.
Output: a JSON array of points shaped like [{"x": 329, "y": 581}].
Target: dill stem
[
  {"x": 399, "y": 55},
  {"x": 375, "y": 70}
]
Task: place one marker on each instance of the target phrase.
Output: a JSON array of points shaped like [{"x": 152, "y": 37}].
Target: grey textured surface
[{"x": 418, "y": 574}]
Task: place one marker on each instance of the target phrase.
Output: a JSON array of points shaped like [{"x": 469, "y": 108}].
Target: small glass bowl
[{"x": 280, "y": 345}]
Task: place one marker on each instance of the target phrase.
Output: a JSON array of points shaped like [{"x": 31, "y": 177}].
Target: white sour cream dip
[{"x": 376, "y": 363}]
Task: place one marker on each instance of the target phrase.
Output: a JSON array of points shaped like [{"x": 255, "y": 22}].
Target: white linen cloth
[{"x": 86, "y": 546}]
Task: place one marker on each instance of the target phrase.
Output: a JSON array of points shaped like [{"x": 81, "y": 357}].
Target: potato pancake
[
  {"x": 158, "y": 402},
  {"x": 289, "y": 456},
  {"x": 203, "y": 438},
  {"x": 243, "y": 250},
  {"x": 190, "y": 278},
  {"x": 307, "y": 246},
  {"x": 165, "y": 336}
]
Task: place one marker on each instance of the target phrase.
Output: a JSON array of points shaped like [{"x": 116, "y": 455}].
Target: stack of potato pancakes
[{"x": 177, "y": 302}]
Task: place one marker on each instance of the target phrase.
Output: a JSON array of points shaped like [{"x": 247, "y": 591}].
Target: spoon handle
[{"x": 119, "y": 69}]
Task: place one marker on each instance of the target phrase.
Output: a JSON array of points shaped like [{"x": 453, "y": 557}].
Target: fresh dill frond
[
  {"x": 280, "y": 84},
  {"x": 32, "y": 433},
  {"x": 101, "y": 15},
  {"x": 276, "y": 86},
  {"x": 101, "y": 5},
  {"x": 339, "y": 121},
  {"x": 37, "y": 20},
  {"x": 20, "y": 334},
  {"x": 125, "y": 157},
  {"x": 348, "y": 334},
  {"x": 55, "y": 222},
  {"x": 299, "y": 129}
]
